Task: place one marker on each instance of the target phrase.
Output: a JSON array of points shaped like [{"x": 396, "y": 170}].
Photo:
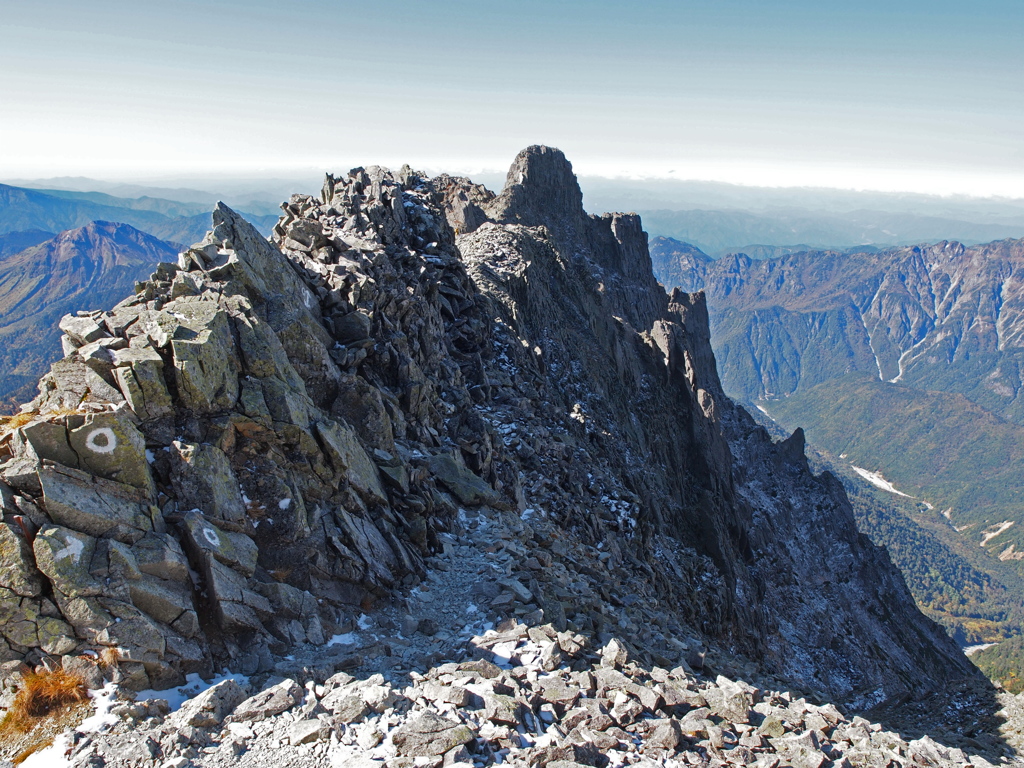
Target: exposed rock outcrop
[{"x": 270, "y": 437}]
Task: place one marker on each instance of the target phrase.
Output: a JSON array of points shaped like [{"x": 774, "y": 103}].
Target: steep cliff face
[
  {"x": 907, "y": 361},
  {"x": 269, "y": 438}
]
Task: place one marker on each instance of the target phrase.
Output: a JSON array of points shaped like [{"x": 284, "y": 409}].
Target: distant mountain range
[
  {"x": 718, "y": 232},
  {"x": 259, "y": 196},
  {"x": 23, "y": 210},
  {"x": 91, "y": 267},
  {"x": 906, "y": 362}
]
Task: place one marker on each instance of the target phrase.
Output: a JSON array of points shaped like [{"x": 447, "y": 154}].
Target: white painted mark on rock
[
  {"x": 74, "y": 550},
  {"x": 211, "y": 536},
  {"x": 101, "y": 440}
]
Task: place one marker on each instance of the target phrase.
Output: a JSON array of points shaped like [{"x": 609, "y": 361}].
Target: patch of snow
[
  {"x": 150, "y": 456},
  {"x": 194, "y": 685},
  {"x": 503, "y": 653},
  {"x": 101, "y": 719},
  {"x": 283, "y": 504},
  {"x": 876, "y": 479},
  {"x": 52, "y": 756},
  {"x": 349, "y": 638},
  {"x": 762, "y": 410},
  {"x": 364, "y": 622}
]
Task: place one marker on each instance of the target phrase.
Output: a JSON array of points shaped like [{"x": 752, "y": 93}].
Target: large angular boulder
[
  {"x": 430, "y": 735},
  {"x": 205, "y": 365},
  {"x": 342, "y": 447},
  {"x": 265, "y": 704},
  {"x": 164, "y": 600},
  {"x": 18, "y": 571},
  {"x": 94, "y": 506},
  {"x": 208, "y": 709},
  {"x": 160, "y": 555},
  {"x": 140, "y": 375},
  {"x": 460, "y": 480},
  {"x": 108, "y": 445},
  {"x": 65, "y": 557},
  {"x": 235, "y": 550},
  {"x": 202, "y": 478},
  {"x": 48, "y": 438},
  {"x": 237, "y": 608}
]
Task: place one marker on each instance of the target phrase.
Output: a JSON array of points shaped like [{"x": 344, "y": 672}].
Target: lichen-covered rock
[
  {"x": 203, "y": 479},
  {"x": 161, "y": 555},
  {"x": 430, "y": 736},
  {"x": 164, "y": 600},
  {"x": 205, "y": 375},
  {"x": 65, "y": 557},
  {"x": 28, "y": 623},
  {"x": 49, "y": 440},
  {"x": 140, "y": 377},
  {"x": 18, "y": 571},
  {"x": 95, "y": 506},
  {"x": 235, "y": 550}
]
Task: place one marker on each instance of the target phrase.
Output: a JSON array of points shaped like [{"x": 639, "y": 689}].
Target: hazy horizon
[
  {"x": 908, "y": 96},
  {"x": 309, "y": 180}
]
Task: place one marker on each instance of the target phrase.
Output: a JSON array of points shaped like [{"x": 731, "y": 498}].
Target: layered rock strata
[{"x": 269, "y": 438}]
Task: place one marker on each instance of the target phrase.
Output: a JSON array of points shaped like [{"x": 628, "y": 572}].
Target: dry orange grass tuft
[
  {"x": 42, "y": 693},
  {"x": 58, "y": 412},
  {"x": 10, "y": 423},
  {"x": 109, "y": 657},
  {"x": 281, "y": 574},
  {"x": 26, "y": 753}
]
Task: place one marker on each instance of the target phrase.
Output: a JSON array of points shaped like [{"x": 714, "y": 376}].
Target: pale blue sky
[{"x": 907, "y": 94}]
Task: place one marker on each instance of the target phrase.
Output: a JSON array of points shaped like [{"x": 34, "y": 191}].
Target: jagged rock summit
[{"x": 271, "y": 438}]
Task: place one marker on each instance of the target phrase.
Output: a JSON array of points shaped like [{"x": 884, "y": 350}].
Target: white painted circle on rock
[
  {"x": 211, "y": 536},
  {"x": 101, "y": 440}
]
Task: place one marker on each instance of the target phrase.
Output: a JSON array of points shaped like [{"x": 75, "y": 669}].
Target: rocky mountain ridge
[
  {"x": 923, "y": 315},
  {"x": 269, "y": 440},
  {"x": 54, "y": 210},
  {"x": 725, "y": 231}
]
